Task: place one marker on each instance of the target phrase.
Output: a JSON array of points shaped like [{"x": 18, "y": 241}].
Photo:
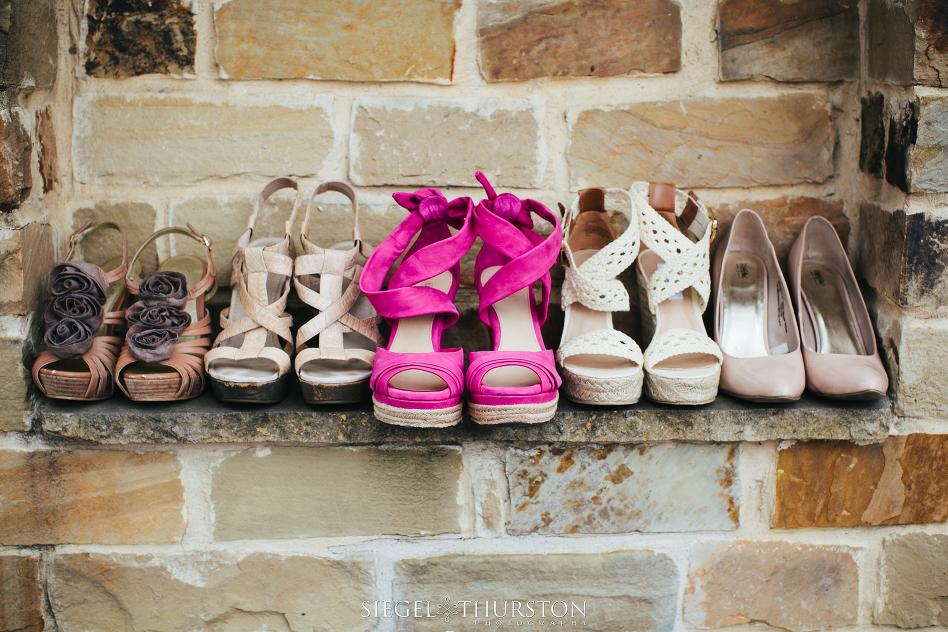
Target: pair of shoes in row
[
  {"x": 415, "y": 382},
  {"x": 756, "y": 352},
  {"x": 151, "y": 336},
  {"x": 148, "y": 336}
]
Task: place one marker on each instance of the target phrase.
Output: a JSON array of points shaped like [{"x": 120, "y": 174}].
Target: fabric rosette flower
[
  {"x": 151, "y": 345},
  {"x": 158, "y": 317},
  {"x": 69, "y": 338},
  {"x": 78, "y": 277},
  {"x": 164, "y": 288},
  {"x": 81, "y": 307}
]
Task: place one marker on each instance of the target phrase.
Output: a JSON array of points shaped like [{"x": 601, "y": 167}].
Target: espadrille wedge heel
[
  {"x": 414, "y": 381},
  {"x": 682, "y": 364},
  {"x": 599, "y": 365}
]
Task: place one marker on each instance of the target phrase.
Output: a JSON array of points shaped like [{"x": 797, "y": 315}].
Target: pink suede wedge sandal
[
  {"x": 414, "y": 381},
  {"x": 516, "y": 382}
]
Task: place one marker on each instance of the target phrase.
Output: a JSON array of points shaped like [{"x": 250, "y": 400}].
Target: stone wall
[{"x": 170, "y": 111}]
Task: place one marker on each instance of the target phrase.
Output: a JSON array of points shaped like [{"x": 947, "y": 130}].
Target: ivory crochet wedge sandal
[
  {"x": 414, "y": 381},
  {"x": 85, "y": 323},
  {"x": 682, "y": 364},
  {"x": 599, "y": 365},
  {"x": 515, "y": 382},
  {"x": 170, "y": 327},
  {"x": 250, "y": 361},
  {"x": 338, "y": 370}
]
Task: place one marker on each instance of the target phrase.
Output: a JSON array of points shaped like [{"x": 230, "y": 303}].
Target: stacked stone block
[{"x": 172, "y": 111}]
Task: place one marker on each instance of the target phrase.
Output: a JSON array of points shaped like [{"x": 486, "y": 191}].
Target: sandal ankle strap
[
  {"x": 116, "y": 273},
  {"x": 277, "y": 184},
  {"x": 207, "y": 282},
  {"x": 349, "y": 192}
]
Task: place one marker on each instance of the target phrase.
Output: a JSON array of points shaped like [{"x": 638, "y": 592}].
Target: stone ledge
[{"x": 205, "y": 420}]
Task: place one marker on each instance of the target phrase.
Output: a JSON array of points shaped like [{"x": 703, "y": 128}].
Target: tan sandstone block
[
  {"x": 806, "y": 40},
  {"x": 704, "y": 142},
  {"x": 913, "y": 581},
  {"x": 90, "y": 497},
  {"x": 365, "y": 40},
  {"x": 793, "y": 586},
  {"x": 216, "y": 591},
  {"x": 105, "y": 244},
  {"x": 928, "y": 160},
  {"x": 26, "y": 257},
  {"x": 441, "y": 143},
  {"x": 16, "y": 354},
  {"x": 624, "y": 590},
  {"x": 918, "y": 354},
  {"x": 20, "y": 594},
  {"x": 902, "y": 480},
  {"x": 176, "y": 139},
  {"x": 316, "y": 492},
  {"x": 544, "y": 38},
  {"x": 622, "y": 488}
]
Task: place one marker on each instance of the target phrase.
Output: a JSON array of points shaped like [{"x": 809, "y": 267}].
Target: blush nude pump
[
  {"x": 754, "y": 321},
  {"x": 839, "y": 344}
]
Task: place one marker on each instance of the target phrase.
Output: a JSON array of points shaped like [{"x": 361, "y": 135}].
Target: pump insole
[
  {"x": 414, "y": 335},
  {"x": 681, "y": 311},
  {"x": 580, "y": 320},
  {"x": 743, "y": 328},
  {"x": 516, "y": 332},
  {"x": 342, "y": 371},
  {"x": 251, "y": 370},
  {"x": 827, "y": 305}
]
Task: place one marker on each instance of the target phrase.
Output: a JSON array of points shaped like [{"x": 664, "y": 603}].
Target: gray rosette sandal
[
  {"x": 169, "y": 326},
  {"x": 85, "y": 323}
]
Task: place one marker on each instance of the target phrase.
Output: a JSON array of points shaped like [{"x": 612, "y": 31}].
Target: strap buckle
[{"x": 207, "y": 241}]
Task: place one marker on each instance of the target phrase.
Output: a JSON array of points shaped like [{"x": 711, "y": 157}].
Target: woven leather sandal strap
[
  {"x": 601, "y": 342},
  {"x": 673, "y": 342},
  {"x": 593, "y": 283},
  {"x": 89, "y": 227},
  {"x": 100, "y": 359}
]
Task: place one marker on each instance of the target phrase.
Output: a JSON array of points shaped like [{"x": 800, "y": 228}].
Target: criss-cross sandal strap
[
  {"x": 252, "y": 267},
  {"x": 504, "y": 222},
  {"x": 593, "y": 283},
  {"x": 332, "y": 303},
  {"x": 687, "y": 263},
  {"x": 435, "y": 251}
]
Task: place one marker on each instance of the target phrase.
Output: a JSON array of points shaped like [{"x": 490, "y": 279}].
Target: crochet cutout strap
[
  {"x": 505, "y": 224},
  {"x": 333, "y": 267},
  {"x": 593, "y": 283},
  {"x": 435, "y": 251},
  {"x": 686, "y": 263}
]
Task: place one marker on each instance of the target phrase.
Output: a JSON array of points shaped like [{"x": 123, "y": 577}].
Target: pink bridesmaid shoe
[
  {"x": 414, "y": 381},
  {"x": 517, "y": 381}
]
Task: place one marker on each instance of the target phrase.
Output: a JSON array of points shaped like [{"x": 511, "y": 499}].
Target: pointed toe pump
[
  {"x": 415, "y": 382},
  {"x": 839, "y": 344},
  {"x": 753, "y": 317},
  {"x": 515, "y": 382},
  {"x": 599, "y": 364},
  {"x": 682, "y": 364}
]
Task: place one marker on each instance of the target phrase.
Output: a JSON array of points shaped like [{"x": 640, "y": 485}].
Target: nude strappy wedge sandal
[
  {"x": 339, "y": 367},
  {"x": 682, "y": 364},
  {"x": 170, "y": 327},
  {"x": 85, "y": 323},
  {"x": 250, "y": 360},
  {"x": 599, "y": 365}
]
